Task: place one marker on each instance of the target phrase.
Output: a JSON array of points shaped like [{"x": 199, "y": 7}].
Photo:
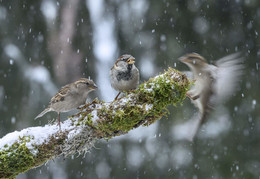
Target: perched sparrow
[
  {"x": 212, "y": 83},
  {"x": 70, "y": 97},
  {"x": 124, "y": 75}
]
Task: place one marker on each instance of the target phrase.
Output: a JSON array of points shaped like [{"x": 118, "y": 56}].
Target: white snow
[
  {"x": 200, "y": 25},
  {"x": 159, "y": 76},
  {"x": 254, "y": 102},
  {"x": 163, "y": 38},
  {"x": 49, "y": 10},
  {"x": 11, "y": 61},
  {"x": 146, "y": 66},
  {"x": 94, "y": 115},
  {"x": 38, "y": 74},
  {"x": 38, "y": 135},
  {"x": 124, "y": 100},
  {"x": 176, "y": 75},
  {"x": 12, "y": 51},
  {"x": 73, "y": 133},
  {"x": 13, "y": 120},
  {"x": 149, "y": 89},
  {"x": 148, "y": 107}
]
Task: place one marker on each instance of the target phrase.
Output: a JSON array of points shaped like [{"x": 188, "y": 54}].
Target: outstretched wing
[{"x": 229, "y": 73}]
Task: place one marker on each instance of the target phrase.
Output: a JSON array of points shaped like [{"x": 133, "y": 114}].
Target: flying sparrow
[
  {"x": 124, "y": 75},
  {"x": 70, "y": 97},
  {"x": 212, "y": 83}
]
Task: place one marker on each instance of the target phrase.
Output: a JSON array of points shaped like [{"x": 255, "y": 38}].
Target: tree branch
[{"x": 32, "y": 147}]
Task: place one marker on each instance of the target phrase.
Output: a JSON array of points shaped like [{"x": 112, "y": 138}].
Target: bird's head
[
  {"x": 193, "y": 60},
  {"x": 125, "y": 59},
  {"x": 85, "y": 84}
]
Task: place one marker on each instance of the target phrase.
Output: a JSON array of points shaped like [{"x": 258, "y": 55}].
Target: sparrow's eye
[
  {"x": 87, "y": 83},
  {"x": 191, "y": 58}
]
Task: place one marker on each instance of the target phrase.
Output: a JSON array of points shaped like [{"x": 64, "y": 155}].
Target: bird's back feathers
[{"x": 61, "y": 94}]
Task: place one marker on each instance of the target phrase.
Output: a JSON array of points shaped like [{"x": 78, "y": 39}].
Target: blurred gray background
[{"x": 46, "y": 44}]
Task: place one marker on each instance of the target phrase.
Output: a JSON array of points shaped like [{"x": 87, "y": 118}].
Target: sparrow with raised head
[
  {"x": 124, "y": 75},
  {"x": 70, "y": 97},
  {"x": 212, "y": 83}
]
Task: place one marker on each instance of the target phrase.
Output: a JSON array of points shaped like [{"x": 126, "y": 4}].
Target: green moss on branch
[
  {"x": 18, "y": 158},
  {"x": 142, "y": 106}
]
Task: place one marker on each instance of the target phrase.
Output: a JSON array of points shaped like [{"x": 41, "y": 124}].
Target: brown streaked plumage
[
  {"x": 70, "y": 97},
  {"x": 212, "y": 83}
]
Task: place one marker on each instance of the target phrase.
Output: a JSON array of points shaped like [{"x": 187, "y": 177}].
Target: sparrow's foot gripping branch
[{"x": 32, "y": 147}]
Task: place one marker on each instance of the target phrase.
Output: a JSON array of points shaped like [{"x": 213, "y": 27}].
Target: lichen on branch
[{"x": 32, "y": 147}]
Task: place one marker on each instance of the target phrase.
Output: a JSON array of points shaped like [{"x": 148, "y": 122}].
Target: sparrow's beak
[
  {"x": 131, "y": 61},
  {"x": 94, "y": 86},
  {"x": 184, "y": 59}
]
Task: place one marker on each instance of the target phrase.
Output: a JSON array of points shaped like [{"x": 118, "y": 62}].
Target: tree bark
[{"x": 67, "y": 62}]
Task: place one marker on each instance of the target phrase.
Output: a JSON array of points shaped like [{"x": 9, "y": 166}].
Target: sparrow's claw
[
  {"x": 59, "y": 121},
  {"x": 192, "y": 97},
  {"x": 87, "y": 105},
  {"x": 117, "y": 96},
  {"x": 81, "y": 108}
]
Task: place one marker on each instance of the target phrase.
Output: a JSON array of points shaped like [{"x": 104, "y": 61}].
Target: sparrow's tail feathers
[
  {"x": 195, "y": 128},
  {"x": 43, "y": 112},
  {"x": 187, "y": 130},
  {"x": 198, "y": 120}
]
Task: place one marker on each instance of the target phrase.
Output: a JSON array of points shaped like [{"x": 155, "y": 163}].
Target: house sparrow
[
  {"x": 70, "y": 97},
  {"x": 212, "y": 83},
  {"x": 124, "y": 75}
]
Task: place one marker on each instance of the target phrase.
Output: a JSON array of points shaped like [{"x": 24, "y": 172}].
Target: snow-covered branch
[{"x": 32, "y": 147}]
